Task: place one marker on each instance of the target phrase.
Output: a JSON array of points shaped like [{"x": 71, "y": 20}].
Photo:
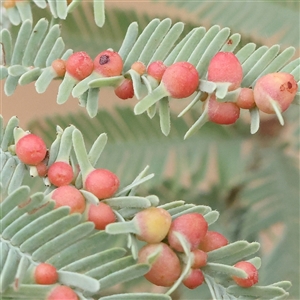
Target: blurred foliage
[{"x": 253, "y": 181}]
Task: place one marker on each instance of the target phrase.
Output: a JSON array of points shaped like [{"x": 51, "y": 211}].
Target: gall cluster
[
  {"x": 164, "y": 251},
  {"x": 272, "y": 93},
  {"x": 32, "y": 151},
  {"x": 109, "y": 63},
  {"x": 46, "y": 274}
]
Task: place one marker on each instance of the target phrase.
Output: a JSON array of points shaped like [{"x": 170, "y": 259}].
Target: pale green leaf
[
  {"x": 7, "y": 137},
  {"x": 24, "y": 10},
  {"x": 211, "y": 217},
  {"x": 38, "y": 225},
  {"x": 229, "y": 249},
  {"x": 4, "y": 254},
  {"x": 46, "y": 47},
  {"x": 189, "y": 208},
  {"x": 124, "y": 275},
  {"x": 78, "y": 280},
  {"x": 261, "y": 292},
  {"x": 15, "y": 198},
  {"x": 216, "y": 290},
  {"x": 9, "y": 269},
  {"x": 92, "y": 102},
  {"x": 63, "y": 241},
  {"x": 32, "y": 203},
  {"x": 99, "y": 12},
  {"x": 21, "y": 42},
  {"x": 136, "y": 296},
  {"x": 21, "y": 271},
  {"x": 111, "y": 267},
  {"x": 89, "y": 246},
  {"x": 6, "y": 47},
  {"x": 140, "y": 43},
  {"x": 129, "y": 201},
  {"x": 36, "y": 38},
  {"x": 93, "y": 261},
  {"x": 7, "y": 172},
  {"x": 25, "y": 219},
  {"x": 27, "y": 291},
  {"x": 225, "y": 269},
  {"x": 48, "y": 233},
  {"x": 30, "y": 76}
]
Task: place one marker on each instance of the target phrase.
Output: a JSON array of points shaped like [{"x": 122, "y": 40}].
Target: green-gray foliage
[
  {"x": 256, "y": 186},
  {"x": 33, "y": 231},
  {"x": 254, "y": 193},
  {"x": 160, "y": 40},
  {"x": 59, "y": 9}
]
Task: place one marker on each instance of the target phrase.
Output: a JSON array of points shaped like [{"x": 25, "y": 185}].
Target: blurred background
[{"x": 252, "y": 180}]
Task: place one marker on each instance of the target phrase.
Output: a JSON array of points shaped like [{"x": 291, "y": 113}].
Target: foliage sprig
[
  {"x": 33, "y": 231},
  {"x": 160, "y": 40},
  {"x": 90, "y": 260}
]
